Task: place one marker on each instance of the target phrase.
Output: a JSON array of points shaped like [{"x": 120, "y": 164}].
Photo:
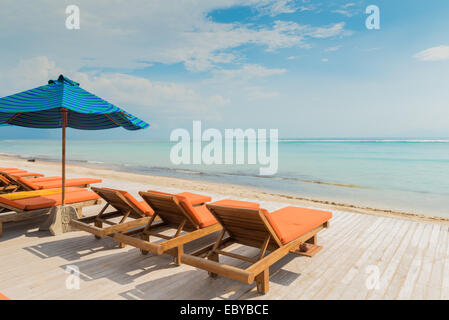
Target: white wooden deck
[{"x": 411, "y": 259}]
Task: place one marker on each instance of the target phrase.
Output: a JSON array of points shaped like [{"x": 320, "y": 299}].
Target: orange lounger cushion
[
  {"x": 194, "y": 198},
  {"x": 28, "y": 183},
  {"x": 46, "y": 200},
  {"x": 35, "y": 193},
  {"x": 3, "y": 297},
  {"x": 291, "y": 222},
  {"x": 43, "y": 179},
  {"x": 142, "y": 205},
  {"x": 11, "y": 203},
  {"x": 26, "y": 174},
  {"x": 237, "y": 204},
  {"x": 200, "y": 214},
  {"x": 68, "y": 183},
  {"x": 12, "y": 170},
  {"x": 52, "y": 200}
]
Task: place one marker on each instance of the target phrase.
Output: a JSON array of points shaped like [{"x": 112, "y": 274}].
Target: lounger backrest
[
  {"x": 118, "y": 200},
  {"x": 246, "y": 226},
  {"x": 3, "y": 180},
  {"x": 169, "y": 209},
  {"x": 22, "y": 183}
]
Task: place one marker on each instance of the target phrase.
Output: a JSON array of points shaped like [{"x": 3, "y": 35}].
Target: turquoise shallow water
[{"x": 401, "y": 175}]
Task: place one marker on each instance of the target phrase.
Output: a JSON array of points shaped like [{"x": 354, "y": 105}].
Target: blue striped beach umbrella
[{"x": 63, "y": 103}]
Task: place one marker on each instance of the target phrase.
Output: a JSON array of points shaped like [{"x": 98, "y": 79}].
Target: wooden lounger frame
[
  {"x": 125, "y": 209},
  {"x": 27, "y": 175},
  {"x": 173, "y": 216},
  {"x": 248, "y": 227},
  {"x": 9, "y": 213},
  {"x": 16, "y": 185}
]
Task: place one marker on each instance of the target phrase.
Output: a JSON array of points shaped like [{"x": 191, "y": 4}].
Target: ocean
[{"x": 403, "y": 175}]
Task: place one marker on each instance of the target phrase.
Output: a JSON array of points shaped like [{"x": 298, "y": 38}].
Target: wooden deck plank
[
  {"x": 301, "y": 269},
  {"x": 354, "y": 282},
  {"x": 438, "y": 266},
  {"x": 318, "y": 275},
  {"x": 445, "y": 277},
  {"x": 355, "y": 261},
  {"x": 332, "y": 278},
  {"x": 428, "y": 260},
  {"x": 383, "y": 258},
  {"x": 413, "y": 258},
  {"x": 389, "y": 270},
  {"x": 414, "y": 267}
]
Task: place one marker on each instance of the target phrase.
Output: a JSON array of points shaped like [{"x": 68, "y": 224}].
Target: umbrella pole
[{"x": 64, "y": 124}]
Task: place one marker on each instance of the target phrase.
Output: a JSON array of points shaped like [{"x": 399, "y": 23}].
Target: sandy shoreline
[{"x": 229, "y": 190}]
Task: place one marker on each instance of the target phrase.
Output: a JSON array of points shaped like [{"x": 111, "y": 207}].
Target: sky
[{"x": 311, "y": 69}]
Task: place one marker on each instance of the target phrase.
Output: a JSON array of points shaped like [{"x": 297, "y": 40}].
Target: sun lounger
[
  {"x": 44, "y": 179},
  {"x": 184, "y": 214},
  {"x": 27, "y": 174},
  {"x": 6, "y": 186},
  {"x": 24, "y": 205},
  {"x": 3, "y": 297},
  {"x": 288, "y": 230},
  {"x": 22, "y": 184},
  {"x": 126, "y": 208},
  {"x": 12, "y": 170},
  {"x": 21, "y": 173}
]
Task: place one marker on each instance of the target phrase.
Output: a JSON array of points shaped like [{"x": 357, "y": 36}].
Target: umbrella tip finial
[
  {"x": 60, "y": 79},
  {"x": 66, "y": 80}
]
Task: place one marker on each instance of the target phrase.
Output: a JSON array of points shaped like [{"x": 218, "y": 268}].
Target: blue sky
[{"x": 308, "y": 68}]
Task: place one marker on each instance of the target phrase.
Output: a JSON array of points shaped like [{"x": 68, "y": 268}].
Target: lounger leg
[
  {"x": 214, "y": 257},
  {"x": 79, "y": 212},
  {"x": 98, "y": 224},
  {"x": 179, "y": 251},
  {"x": 263, "y": 281},
  {"x": 144, "y": 237},
  {"x": 312, "y": 240}
]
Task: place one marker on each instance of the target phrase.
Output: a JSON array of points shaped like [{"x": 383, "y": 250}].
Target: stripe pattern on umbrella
[{"x": 41, "y": 108}]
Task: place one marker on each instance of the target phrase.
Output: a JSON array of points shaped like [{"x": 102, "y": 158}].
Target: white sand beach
[{"x": 409, "y": 252}]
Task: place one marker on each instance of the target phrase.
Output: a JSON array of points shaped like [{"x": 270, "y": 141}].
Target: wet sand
[{"x": 119, "y": 179}]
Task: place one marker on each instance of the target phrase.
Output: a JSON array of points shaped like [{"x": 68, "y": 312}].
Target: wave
[
  {"x": 314, "y": 181},
  {"x": 95, "y": 162},
  {"x": 368, "y": 140}
]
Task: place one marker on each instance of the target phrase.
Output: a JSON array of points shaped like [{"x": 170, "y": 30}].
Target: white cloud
[
  {"x": 325, "y": 60},
  {"x": 343, "y": 12},
  {"x": 134, "y": 34},
  {"x": 247, "y": 72},
  {"x": 123, "y": 90},
  {"x": 433, "y": 54},
  {"x": 327, "y": 32},
  {"x": 330, "y": 49},
  {"x": 275, "y": 7},
  {"x": 258, "y": 93},
  {"x": 347, "y": 10},
  {"x": 29, "y": 73},
  {"x": 170, "y": 98}
]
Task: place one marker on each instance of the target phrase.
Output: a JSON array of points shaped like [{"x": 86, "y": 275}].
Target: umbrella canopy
[
  {"x": 41, "y": 108},
  {"x": 63, "y": 103}
]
